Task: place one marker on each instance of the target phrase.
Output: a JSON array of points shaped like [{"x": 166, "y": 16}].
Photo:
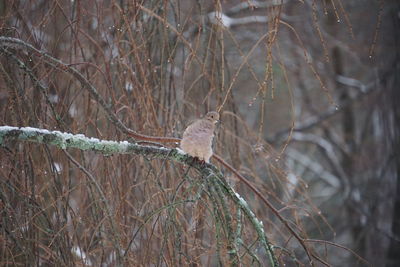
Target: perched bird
[{"x": 198, "y": 136}]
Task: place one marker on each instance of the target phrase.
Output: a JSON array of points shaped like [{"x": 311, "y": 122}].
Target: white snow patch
[
  {"x": 53, "y": 98},
  {"x": 180, "y": 151},
  {"x": 94, "y": 139},
  {"x": 240, "y": 198},
  {"x": 128, "y": 86},
  {"x": 30, "y": 129},
  {"x": 63, "y": 135},
  {"x": 82, "y": 255},
  {"x": 80, "y": 136},
  {"x": 8, "y": 128},
  {"x": 57, "y": 167},
  {"x": 124, "y": 144}
]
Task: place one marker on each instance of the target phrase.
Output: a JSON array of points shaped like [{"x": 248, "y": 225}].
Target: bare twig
[{"x": 208, "y": 171}]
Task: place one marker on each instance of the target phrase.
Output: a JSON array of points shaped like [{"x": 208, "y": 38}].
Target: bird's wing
[{"x": 191, "y": 129}]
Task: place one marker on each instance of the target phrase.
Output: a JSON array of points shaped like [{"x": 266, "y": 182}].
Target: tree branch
[{"x": 79, "y": 141}]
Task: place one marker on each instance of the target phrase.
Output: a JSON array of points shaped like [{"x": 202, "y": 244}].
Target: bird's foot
[{"x": 202, "y": 162}]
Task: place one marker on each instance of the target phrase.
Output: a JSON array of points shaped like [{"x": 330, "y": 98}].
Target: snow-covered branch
[{"x": 79, "y": 141}]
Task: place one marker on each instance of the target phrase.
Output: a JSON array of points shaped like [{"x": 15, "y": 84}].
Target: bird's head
[{"x": 212, "y": 116}]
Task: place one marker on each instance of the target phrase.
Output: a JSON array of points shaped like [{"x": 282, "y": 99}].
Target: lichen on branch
[
  {"x": 107, "y": 147},
  {"x": 80, "y": 141}
]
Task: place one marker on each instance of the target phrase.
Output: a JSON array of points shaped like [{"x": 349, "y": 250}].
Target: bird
[{"x": 198, "y": 136}]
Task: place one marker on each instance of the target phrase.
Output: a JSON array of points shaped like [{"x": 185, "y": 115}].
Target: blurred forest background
[{"x": 308, "y": 93}]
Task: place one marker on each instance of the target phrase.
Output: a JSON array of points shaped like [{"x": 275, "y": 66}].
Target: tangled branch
[{"x": 209, "y": 172}]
